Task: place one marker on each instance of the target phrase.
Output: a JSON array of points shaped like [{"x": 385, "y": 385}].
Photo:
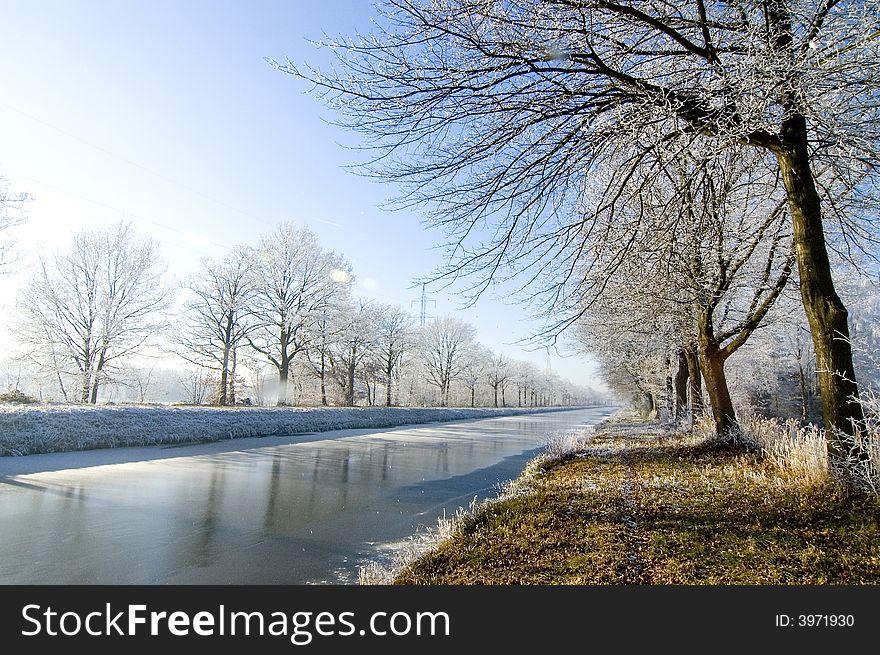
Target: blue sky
[{"x": 167, "y": 114}]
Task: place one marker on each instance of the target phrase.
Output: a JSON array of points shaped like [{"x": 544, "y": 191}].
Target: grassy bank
[{"x": 637, "y": 505}]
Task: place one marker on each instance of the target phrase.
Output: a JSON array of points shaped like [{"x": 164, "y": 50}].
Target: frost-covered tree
[
  {"x": 475, "y": 370},
  {"x": 445, "y": 343},
  {"x": 394, "y": 339},
  {"x": 631, "y": 341},
  {"x": 90, "y": 307},
  {"x": 11, "y": 215},
  {"x": 713, "y": 254},
  {"x": 214, "y": 325},
  {"x": 498, "y": 373},
  {"x": 329, "y": 321},
  {"x": 519, "y": 112},
  {"x": 352, "y": 347},
  {"x": 296, "y": 279},
  {"x": 196, "y": 384}
]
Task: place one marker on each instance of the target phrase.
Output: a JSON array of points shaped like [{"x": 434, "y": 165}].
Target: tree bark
[
  {"x": 389, "y": 369},
  {"x": 695, "y": 386},
  {"x": 712, "y": 365},
  {"x": 681, "y": 386},
  {"x": 230, "y": 396},
  {"x": 826, "y": 313},
  {"x": 221, "y": 395},
  {"x": 86, "y": 387},
  {"x": 652, "y": 404},
  {"x": 723, "y": 413},
  {"x": 96, "y": 380}
]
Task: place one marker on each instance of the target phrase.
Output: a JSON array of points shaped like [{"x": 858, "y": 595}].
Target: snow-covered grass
[{"x": 27, "y": 430}]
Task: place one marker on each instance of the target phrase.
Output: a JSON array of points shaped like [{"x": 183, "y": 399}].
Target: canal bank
[
  {"x": 28, "y": 430},
  {"x": 636, "y": 504}
]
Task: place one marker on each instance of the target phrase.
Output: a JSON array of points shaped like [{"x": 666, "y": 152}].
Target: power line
[{"x": 423, "y": 305}]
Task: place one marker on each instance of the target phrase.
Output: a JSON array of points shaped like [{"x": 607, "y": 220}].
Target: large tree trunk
[
  {"x": 652, "y": 404},
  {"x": 681, "y": 386},
  {"x": 825, "y": 311},
  {"x": 86, "y": 387},
  {"x": 283, "y": 363},
  {"x": 230, "y": 396},
  {"x": 712, "y": 365},
  {"x": 221, "y": 390},
  {"x": 723, "y": 413},
  {"x": 96, "y": 380}
]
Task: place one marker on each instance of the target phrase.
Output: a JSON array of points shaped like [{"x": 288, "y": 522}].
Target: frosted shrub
[
  {"x": 799, "y": 451},
  {"x": 803, "y": 451},
  {"x": 566, "y": 445},
  {"x": 868, "y": 436}
]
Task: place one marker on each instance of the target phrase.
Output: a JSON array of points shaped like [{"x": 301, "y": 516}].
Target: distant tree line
[{"x": 271, "y": 324}]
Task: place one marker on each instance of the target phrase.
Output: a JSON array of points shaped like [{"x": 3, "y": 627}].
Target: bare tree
[
  {"x": 11, "y": 215},
  {"x": 215, "y": 325},
  {"x": 474, "y": 370},
  {"x": 499, "y": 371},
  {"x": 526, "y": 110},
  {"x": 714, "y": 253},
  {"x": 352, "y": 346},
  {"x": 196, "y": 384},
  {"x": 395, "y": 331},
  {"x": 446, "y": 341},
  {"x": 329, "y": 321},
  {"x": 94, "y": 305},
  {"x": 296, "y": 278},
  {"x": 141, "y": 379}
]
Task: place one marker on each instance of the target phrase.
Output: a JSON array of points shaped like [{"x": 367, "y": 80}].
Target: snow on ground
[{"x": 59, "y": 428}]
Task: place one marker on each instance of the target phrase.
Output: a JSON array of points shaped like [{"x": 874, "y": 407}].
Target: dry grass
[{"x": 637, "y": 505}]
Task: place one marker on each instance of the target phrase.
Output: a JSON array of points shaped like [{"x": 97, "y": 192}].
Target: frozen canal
[{"x": 252, "y": 511}]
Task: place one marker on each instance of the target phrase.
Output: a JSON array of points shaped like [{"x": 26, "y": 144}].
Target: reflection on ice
[{"x": 285, "y": 513}]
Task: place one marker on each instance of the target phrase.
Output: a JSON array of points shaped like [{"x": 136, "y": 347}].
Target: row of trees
[
  {"x": 272, "y": 323},
  {"x": 659, "y": 171}
]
